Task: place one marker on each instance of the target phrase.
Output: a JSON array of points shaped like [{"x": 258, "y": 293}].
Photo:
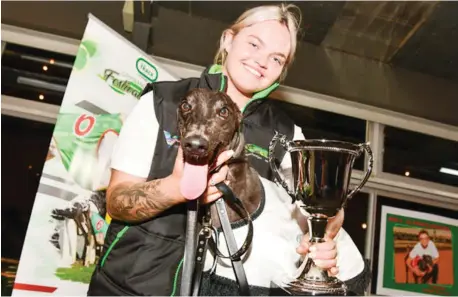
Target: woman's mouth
[{"x": 253, "y": 71}]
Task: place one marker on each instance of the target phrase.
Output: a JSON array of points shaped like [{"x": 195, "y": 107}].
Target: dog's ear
[{"x": 237, "y": 144}]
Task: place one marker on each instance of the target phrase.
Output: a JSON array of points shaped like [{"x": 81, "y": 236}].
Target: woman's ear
[{"x": 228, "y": 37}]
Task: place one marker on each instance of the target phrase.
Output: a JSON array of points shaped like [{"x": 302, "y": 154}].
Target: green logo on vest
[
  {"x": 147, "y": 70},
  {"x": 256, "y": 151},
  {"x": 122, "y": 85}
]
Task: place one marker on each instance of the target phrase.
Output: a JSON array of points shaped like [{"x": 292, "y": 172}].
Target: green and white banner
[{"x": 68, "y": 222}]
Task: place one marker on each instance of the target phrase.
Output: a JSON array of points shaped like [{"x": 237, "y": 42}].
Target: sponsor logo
[
  {"x": 99, "y": 225},
  {"x": 256, "y": 151},
  {"x": 121, "y": 84},
  {"x": 170, "y": 139},
  {"x": 83, "y": 125},
  {"x": 147, "y": 70}
]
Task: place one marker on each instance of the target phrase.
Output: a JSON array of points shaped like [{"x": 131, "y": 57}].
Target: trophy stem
[
  {"x": 317, "y": 228},
  {"x": 311, "y": 279}
]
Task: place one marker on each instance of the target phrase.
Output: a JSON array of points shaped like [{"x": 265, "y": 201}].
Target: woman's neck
[{"x": 238, "y": 97}]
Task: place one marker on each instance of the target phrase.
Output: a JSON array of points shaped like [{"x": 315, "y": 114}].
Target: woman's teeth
[{"x": 254, "y": 72}]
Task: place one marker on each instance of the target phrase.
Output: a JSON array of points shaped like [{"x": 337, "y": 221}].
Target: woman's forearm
[{"x": 141, "y": 201}]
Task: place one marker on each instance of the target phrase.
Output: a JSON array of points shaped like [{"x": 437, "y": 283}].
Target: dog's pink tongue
[{"x": 194, "y": 181}]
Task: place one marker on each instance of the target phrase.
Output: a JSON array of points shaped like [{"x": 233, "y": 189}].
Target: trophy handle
[
  {"x": 368, "y": 150},
  {"x": 277, "y": 177}
]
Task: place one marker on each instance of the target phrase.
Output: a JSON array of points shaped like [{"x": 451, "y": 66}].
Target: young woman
[{"x": 144, "y": 245}]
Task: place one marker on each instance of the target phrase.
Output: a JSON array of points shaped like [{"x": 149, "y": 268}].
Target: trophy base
[{"x": 304, "y": 287}]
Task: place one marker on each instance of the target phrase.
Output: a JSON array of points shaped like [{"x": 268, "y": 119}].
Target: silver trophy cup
[{"x": 321, "y": 170}]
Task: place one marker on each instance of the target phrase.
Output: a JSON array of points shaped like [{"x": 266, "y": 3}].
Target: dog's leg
[
  {"x": 89, "y": 239},
  {"x": 69, "y": 242},
  {"x": 90, "y": 254}
]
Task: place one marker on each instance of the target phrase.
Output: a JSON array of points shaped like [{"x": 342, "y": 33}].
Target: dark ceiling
[{"x": 419, "y": 36}]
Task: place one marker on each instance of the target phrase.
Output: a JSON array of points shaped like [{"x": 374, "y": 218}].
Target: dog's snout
[{"x": 196, "y": 145}]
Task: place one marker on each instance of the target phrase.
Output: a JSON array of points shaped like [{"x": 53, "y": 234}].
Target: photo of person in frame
[
  {"x": 423, "y": 259},
  {"x": 423, "y": 256}
]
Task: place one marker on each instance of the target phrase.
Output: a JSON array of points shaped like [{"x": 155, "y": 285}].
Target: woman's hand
[
  {"x": 212, "y": 192},
  {"x": 324, "y": 253}
]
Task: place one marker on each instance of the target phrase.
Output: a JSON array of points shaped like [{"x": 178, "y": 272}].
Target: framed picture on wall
[{"x": 418, "y": 253}]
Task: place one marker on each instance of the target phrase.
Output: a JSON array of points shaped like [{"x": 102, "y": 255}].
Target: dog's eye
[
  {"x": 185, "y": 106},
  {"x": 224, "y": 112}
]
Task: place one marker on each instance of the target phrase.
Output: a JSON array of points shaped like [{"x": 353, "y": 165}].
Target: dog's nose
[{"x": 196, "y": 145}]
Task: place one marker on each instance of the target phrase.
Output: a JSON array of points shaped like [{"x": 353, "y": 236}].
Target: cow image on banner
[{"x": 69, "y": 219}]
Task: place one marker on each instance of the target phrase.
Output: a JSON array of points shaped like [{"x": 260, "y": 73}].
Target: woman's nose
[{"x": 262, "y": 60}]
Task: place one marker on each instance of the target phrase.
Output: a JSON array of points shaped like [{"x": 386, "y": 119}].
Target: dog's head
[
  {"x": 208, "y": 123},
  {"x": 424, "y": 262}
]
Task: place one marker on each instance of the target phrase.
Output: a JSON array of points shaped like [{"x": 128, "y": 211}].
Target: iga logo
[{"x": 147, "y": 70}]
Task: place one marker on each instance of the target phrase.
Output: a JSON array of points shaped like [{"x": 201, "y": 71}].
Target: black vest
[{"x": 146, "y": 258}]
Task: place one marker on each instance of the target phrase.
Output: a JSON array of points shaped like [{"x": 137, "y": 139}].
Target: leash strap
[
  {"x": 229, "y": 197},
  {"x": 234, "y": 253},
  {"x": 202, "y": 246},
  {"x": 206, "y": 240},
  {"x": 190, "y": 248}
]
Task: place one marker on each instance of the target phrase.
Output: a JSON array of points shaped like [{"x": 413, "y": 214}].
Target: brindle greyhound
[{"x": 208, "y": 124}]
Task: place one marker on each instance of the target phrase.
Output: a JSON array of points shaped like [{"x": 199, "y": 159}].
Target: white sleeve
[
  {"x": 414, "y": 252},
  {"x": 434, "y": 251},
  {"x": 133, "y": 152},
  {"x": 349, "y": 260}
]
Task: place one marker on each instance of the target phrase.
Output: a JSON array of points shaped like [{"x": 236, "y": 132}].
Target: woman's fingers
[
  {"x": 224, "y": 156},
  {"x": 325, "y": 264},
  {"x": 323, "y": 254},
  {"x": 213, "y": 193},
  {"x": 333, "y": 271},
  {"x": 218, "y": 177}
]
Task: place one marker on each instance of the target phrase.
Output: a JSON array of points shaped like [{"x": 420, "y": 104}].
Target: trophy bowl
[{"x": 321, "y": 171}]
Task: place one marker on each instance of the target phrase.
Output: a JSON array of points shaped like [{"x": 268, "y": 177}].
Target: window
[
  {"x": 420, "y": 156},
  {"x": 319, "y": 124},
  {"x": 25, "y": 145},
  {"x": 35, "y": 74},
  {"x": 355, "y": 222}
]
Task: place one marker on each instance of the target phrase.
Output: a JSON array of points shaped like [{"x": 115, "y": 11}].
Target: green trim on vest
[
  {"x": 216, "y": 68},
  {"x": 118, "y": 237}
]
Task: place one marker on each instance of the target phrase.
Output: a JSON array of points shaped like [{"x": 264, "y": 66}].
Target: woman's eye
[
  {"x": 278, "y": 61},
  {"x": 185, "y": 106},
  {"x": 253, "y": 45},
  {"x": 224, "y": 112}
]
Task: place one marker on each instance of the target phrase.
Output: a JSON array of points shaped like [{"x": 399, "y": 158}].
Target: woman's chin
[{"x": 248, "y": 89}]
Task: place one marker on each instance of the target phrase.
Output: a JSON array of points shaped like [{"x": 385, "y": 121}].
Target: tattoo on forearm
[{"x": 138, "y": 202}]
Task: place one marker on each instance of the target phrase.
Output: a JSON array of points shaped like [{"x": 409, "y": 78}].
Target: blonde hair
[{"x": 282, "y": 13}]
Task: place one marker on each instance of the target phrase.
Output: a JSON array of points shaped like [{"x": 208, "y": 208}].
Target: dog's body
[
  {"x": 80, "y": 212},
  {"x": 208, "y": 124},
  {"x": 424, "y": 262}
]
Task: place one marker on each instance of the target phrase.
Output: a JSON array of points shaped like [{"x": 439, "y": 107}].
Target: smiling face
[
  {"x": 256, "y": 55},
  {"x": 207, "y": 124},
  {"x": 424, "y": 239}
]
